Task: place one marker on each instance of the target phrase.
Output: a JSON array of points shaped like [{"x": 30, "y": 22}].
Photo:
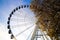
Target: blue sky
[{"x": 6, "y": 6}]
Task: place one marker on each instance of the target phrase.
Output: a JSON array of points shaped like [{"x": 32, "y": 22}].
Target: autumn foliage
[{"x": 48, "y": 14}]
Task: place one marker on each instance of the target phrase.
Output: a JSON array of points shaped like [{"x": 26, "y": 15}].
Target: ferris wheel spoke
[
  {"x": 21, "y": 17},
  {"x": 24, "y": 30},
  {"x": 17, "y": 15},
  {"x": 16, "y": 18},
  {"x": 20, "y": 20},
  {"x": 20, "y": 25},
  {"x": 15, "y": 22}
]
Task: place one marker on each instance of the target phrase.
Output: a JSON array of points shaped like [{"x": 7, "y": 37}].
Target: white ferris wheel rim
[{"x": 12, "y": 14}]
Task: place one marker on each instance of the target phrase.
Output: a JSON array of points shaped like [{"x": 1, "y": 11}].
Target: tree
[{"x": 48, "y": 15}]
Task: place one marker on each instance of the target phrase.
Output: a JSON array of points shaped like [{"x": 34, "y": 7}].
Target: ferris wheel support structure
[{"x": 8, "y": 22}]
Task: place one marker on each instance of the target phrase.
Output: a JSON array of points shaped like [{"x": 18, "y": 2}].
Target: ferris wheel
[{"x": 22, "y": 25}]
